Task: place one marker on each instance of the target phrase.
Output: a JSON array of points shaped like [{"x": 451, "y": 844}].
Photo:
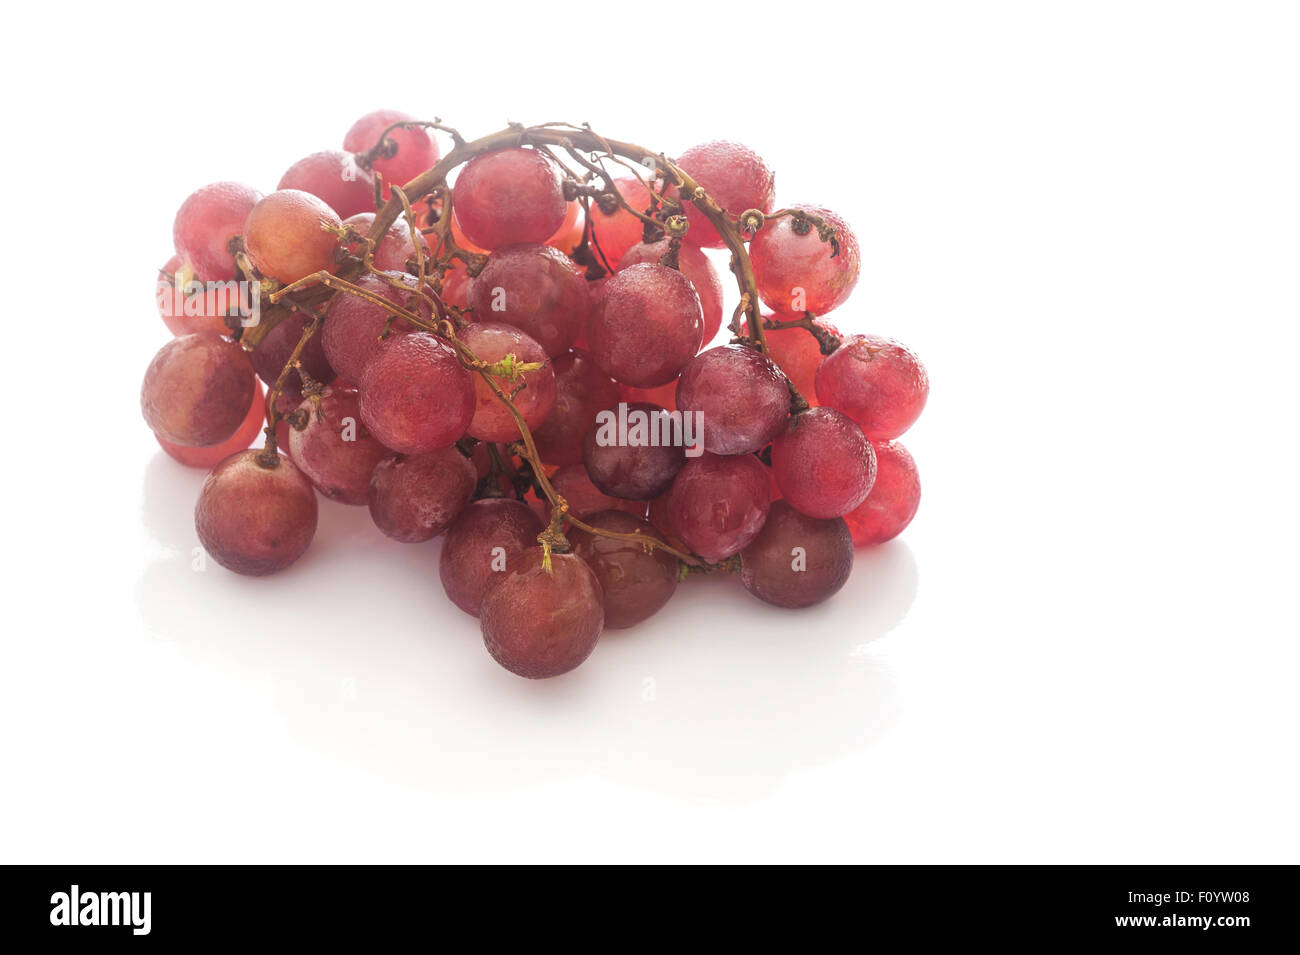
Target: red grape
[
  {"x": 335, "y": 450},
  {"x": 877, "y": 382},
  {"x": 509, "y": 196},
  {"x": 658, "y": 517},
  {"x": 479, "y": 543},
  {"x": 797, "y": 273},
  {"x": 209, "y": 457},
  {"x": 188, "y": 306},
  {"x": 741, "y": 397},
  {"x": 536, "y": 289},
  {"x": 413, "y": 497},
  {"x": 796, "y": 352},
  {"x": 581, "y": 390},
  {"x": 893, "y": 500},
  {"x": 409, "y": 153},
  {"x": 642, "y": 467},
  {"x": 797, "y": 560},
  {"x": 823, "y": 463},
  {"x": 254, "y": 519},
  {"x": 490, "y": 342},
  {"x": 540, "y": 623},
  {"x": 455, "y": 285},
  {"x": 273, "y": 351},
  {"x": 665, "y": 396},
  {"x": 636, "y": 581},
  {"x": 197, "y": 390},
  {"x": 288, "y": 235},
  {"x": 334, "y": 177},
  {"x": 415, "y": 395},
  {"x": 615, "y": 234},
  {"x": 573, "y": 484},
  {"x": 353, "y": 326},
  {"x": 462, "y": 240},
  {"x": 648, "y": 325},
  {"x": 695, "y": 265},
  {"x": 393, "y": 250},
  {"x": 718, "y": 504},
  {"x": 205, "y": 224},
  {"x": 569, "y": 235},
  {"x": 733, "y": 175}
]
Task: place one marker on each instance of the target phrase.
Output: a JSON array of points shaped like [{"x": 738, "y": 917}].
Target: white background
[{"x": 1084, "y": 216}]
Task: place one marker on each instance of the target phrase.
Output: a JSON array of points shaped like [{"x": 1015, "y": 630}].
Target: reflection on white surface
[{"x": 718, "y": 697}]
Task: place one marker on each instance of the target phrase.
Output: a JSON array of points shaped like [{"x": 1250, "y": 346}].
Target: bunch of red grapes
[{"x": 445, "y": 355}]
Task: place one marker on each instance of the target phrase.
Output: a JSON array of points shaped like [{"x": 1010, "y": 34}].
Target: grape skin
[
  {"x": 823, "y": 463},
  {"x": 197, "y": 390},
  {"x": 693, "y": 264},
  {"x": 206, "y": 222},
  {"x": 540, "y": 624},
  {"x": 492, "y": 421},
  {"x": 797, "y": 560},
  {"x": 876, "y": 381},
  {"x": 353, "y": 326},
  {"x": 632, "y": 472},
  {"x": 335, "y": 450},
  {"x": 647, "y": 326},
  {"x": 536, "y": 289},
  {"x": 466, "y": 565},
  {"x": 255, "y": 520},
  {"x": 288, "y": 235},
  {"x": 414, "y": 498},
  {"x": 581, "y": 390},
  {"x": 636, "y": 581},
  {"x": 192, "y": 313},
  {"x": 734, "y": 176},
  {"x": 718, "y": 504},
  {"x": 614, "y": 234},
  {"x": 334, "y": 177},
  {"x": 416, "y": 149},
  {"x": 508, "y": 197},
  {"x": 273, "y": 351},
  {"x": 743, "y": 398},
  {"x": 893, "y": 500},
  {"x": 415, "y": 395},
  {"x": 209, "y": 457},
  {"x": 799, "y": 273}
]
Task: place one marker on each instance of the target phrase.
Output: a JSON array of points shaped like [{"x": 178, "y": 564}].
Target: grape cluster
[{"x": 511, "y": 347}]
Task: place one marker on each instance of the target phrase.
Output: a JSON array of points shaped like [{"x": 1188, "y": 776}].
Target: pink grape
[
  {"x": 733, "y": 175},
  {"x": 415, "y": 395},
  {"x": 573, "y": 484},
  {"x": 536, "y": 289},
  {"x": 742, "y": 398},
  {"x": 509, "y": 196},
  {"x": 288, "y": 235},
  {"x": 581, "y": 390},
  {"x": 415, "y": 497},
  {"x": 878, "y": 382},
  {"x": 272, "y": 353},
  {"x": 797, "y": 560},
  {"x": 797, "y": 353},
  {"x": 206, "y": 222},
  {"x": 893, "y": 500},
  {"x": 695, "y": 265},
  {"x": 411, "y": 151},
  {"x": 569, "y": 235},
  {"x": 479, "y": 543},
  {"x": 334, "y": 177},
  {"x": 797, "y": 273},
  {"x": 197, "y": 390},
  {"x": 540, "y": 623},
  {"x": 335, "y": 450},
  {"x": 491, "y": 342},
  {"x": 823, "y": 463},
  {"x": 209, "y": 457},
  {"x": 188, "y": 307},
  {"x": 717, "y": 504},
  {"x": 615, "y": 233},
  {"x": 254, "y": 519},
  {"x": 353, "y": 326},
  {"x": 630, "y": 471},
  {"x": 636, "y": 581},
  {"x": 649, "y": 324}
]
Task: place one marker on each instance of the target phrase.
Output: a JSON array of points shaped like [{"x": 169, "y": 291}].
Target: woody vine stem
[{"x": 594, "y": 154}]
